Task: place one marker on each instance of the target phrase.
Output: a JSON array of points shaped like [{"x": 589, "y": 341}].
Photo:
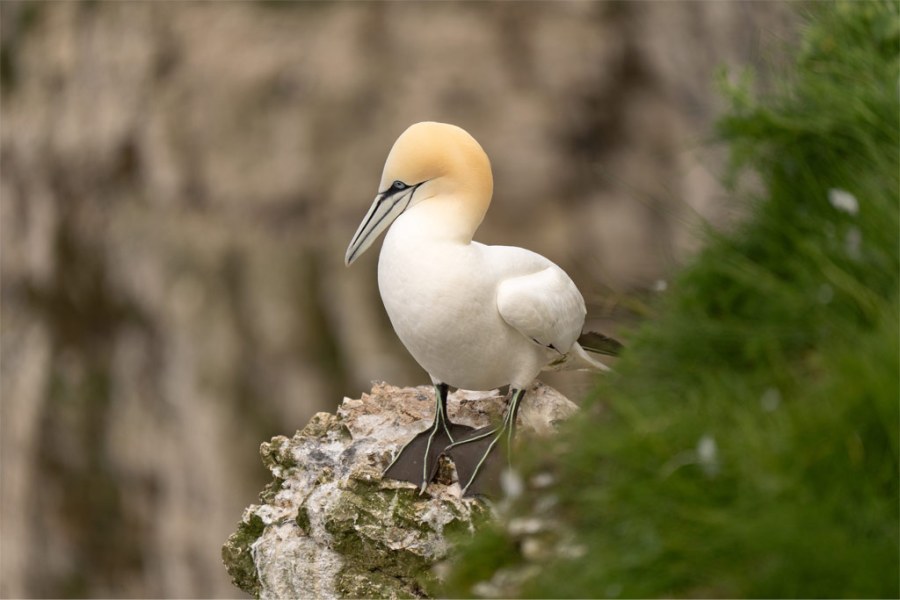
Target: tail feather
[{"x": 576, "y": 359}]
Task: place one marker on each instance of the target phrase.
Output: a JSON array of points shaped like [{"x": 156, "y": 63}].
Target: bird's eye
[{"x": 399, "y": 185}]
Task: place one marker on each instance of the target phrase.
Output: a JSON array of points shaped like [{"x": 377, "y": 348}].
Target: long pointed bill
[{"x": 386, "y": 208}]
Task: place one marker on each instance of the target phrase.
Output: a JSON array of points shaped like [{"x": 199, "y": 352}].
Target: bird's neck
[{"x": 441, "y": 218}]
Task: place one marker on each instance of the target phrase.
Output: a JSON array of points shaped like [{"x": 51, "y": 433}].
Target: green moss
[
  {"x": 358, "y": 530},
  {"x": 277, "y": 458},
  {"x": 463, "y": 528},
  {"x": 277, "y": 453},
  {"x": 748, "y": 443},
  {"x": 238, "y": 558},
  {"x": 320, "y": 424},
  {"x": 302, "y": 519},
  {"x": 348, "y": 523},
  {"x": 271, "y": 489},
  {"x": 361, "y": 583}
]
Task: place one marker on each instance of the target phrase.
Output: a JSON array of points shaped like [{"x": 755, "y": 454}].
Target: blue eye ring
[{"x": 399, "y": 185}]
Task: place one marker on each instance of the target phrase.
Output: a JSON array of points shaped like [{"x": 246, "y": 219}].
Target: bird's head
[{"x": 434, "y": 167}]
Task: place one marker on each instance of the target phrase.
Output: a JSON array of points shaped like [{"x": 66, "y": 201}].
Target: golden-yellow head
[{"x": 432, "y": 166}]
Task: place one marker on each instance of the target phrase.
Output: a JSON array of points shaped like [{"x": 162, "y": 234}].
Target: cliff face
[
  {"x": 179, "y": 183},
  {"x": 328, "y": 525}
]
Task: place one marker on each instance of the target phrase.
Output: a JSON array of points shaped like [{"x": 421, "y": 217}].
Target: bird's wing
[
  {"x": 544, "y": 305},
  {"x": 599, "y": 343}
]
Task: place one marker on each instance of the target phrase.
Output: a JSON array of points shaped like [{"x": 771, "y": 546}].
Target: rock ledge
[{"x": 328, "y": 526}]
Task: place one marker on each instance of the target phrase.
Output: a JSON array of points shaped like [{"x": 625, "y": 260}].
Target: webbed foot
[
  {"x": 479, "y": 463},
  {"x": 417, "y": 462}
]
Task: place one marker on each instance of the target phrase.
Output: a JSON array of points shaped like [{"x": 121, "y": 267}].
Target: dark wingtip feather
[{"x": 600, "y": 344}]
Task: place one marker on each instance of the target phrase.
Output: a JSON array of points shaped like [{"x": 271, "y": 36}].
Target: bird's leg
[
  {"x": 477, "y": 465},
  {"x": 417, "y": 461},
  {"x": 440, "y": 409}
]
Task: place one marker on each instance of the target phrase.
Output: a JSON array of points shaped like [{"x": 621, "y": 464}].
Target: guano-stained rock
[{"x": 329, "y": 526}]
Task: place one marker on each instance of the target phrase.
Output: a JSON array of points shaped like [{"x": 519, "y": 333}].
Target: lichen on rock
[{"x": 329, "y": 526}]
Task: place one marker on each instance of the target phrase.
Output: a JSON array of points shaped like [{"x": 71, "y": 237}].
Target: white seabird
[{"x": 473, "y": 316}]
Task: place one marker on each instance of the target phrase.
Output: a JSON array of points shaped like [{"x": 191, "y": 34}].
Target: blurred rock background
[{"x": 180, "y": 180}]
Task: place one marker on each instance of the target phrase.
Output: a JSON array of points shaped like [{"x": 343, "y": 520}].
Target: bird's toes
[
  {"x": 417, "y": 462},
  {"x": 479, "y": 461}
]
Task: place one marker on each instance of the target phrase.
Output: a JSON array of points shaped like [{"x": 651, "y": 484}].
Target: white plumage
[{"x": 473, "y": 316}]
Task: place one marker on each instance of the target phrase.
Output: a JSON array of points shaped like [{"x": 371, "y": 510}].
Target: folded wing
[{"x": 544, "y": 306}]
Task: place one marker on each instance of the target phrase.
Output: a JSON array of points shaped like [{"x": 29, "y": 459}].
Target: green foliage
[{"x": 748, "y": 445}]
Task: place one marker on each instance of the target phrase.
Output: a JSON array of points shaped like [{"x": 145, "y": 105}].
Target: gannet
[{"x": 475, "y": 317}]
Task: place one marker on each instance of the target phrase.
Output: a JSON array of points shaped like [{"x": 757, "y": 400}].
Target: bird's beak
[{"x": 385, "y": 209}]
